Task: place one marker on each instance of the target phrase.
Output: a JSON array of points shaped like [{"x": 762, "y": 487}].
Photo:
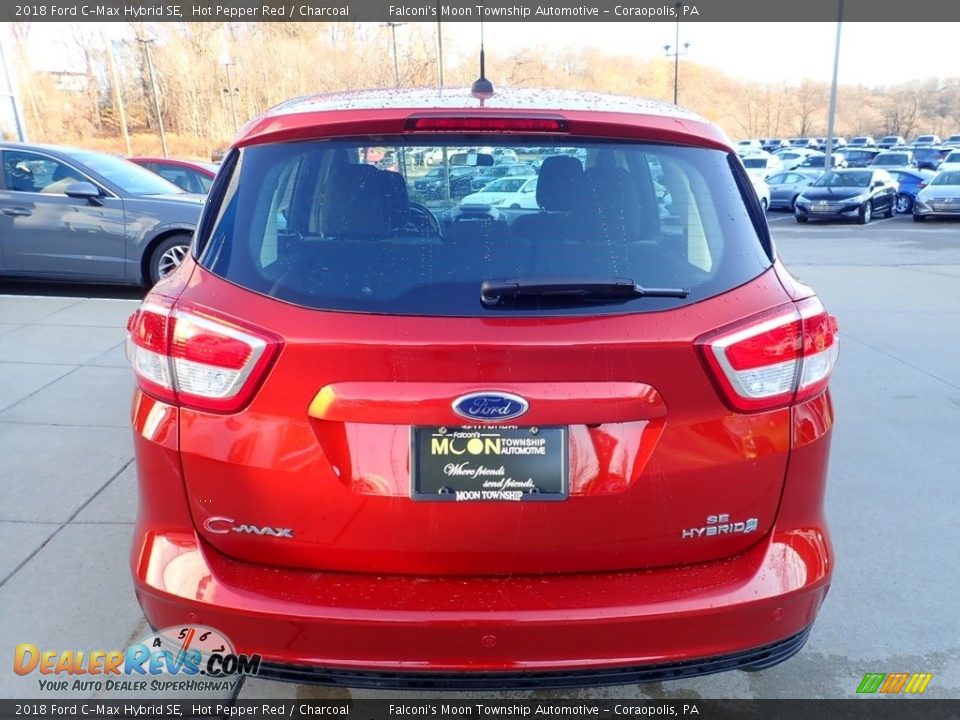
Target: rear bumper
[
  {"x": 751, "y": 660},
  {"x": 317, "y": 626},
  {"x": 747, "y": 611}
]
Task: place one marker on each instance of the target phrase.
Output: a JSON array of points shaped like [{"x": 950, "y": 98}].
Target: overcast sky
[{"x": 871, "y": 53}]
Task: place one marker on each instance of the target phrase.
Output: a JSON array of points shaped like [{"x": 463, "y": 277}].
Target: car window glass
[
  {"x": 29, "y": 172},
  {"x": 312, "y": 224}
]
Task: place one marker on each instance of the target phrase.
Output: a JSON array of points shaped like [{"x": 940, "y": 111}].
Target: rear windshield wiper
[{"x": 493, "y": 292}]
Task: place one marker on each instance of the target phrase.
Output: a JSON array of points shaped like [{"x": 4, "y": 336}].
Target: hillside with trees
[{"x": 272, "y": 62}]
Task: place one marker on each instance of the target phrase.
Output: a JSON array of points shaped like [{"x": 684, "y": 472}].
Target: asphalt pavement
[{"x": 68, "y": 492}]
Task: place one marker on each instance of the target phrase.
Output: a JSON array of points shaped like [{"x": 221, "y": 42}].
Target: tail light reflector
[
  {"x": 185, "y": 357},
  {"x": 774, "y": 360}
]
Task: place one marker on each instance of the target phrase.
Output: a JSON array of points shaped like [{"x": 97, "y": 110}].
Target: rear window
[{"x": 311, "y": 223}]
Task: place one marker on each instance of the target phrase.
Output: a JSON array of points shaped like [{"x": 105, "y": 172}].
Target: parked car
[
  {"x": 895, "y": 159},
  {"x": 433, "y": 156},
  {"x": 910, "y": 182},
  {"x": 188, "y": 175},
  {"x": 950, "y": 162},
  {"x": 771, "y": 145},
  {"x": 930, "y": 157},
  {"x": 859, "y": 157},
  {"x": 762, "y": 164},
  {"x": 940, "y": 198},
  {"x": 926, "y": 140},
  {"x": 862, "y": 141},
  {"x": 952, "y": 141},
  {"x": 848, "y": 194},
  {"x": 791, "y": 158},
  {"x": 891, "y": 141},
  {"x": 506, "y": 192},
  {"x": 488, "y": 174},
  {"x": 652, "y": 417},
  {"x": 815, "y": 163},
  {"x": 838, "y": 144},
  {"x": 433, "y": 184},
  {"x": 804, "y": 142},
  {"x": 504, "y": 156},
  {"x": 762, "y": 190},
  {"x": 785, "y": 188},
  {"x": 747, "y": 147},
  {"x": 72, "y": 214}
]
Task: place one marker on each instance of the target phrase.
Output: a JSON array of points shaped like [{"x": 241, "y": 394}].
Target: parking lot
[{"x": 68, "y": 494}]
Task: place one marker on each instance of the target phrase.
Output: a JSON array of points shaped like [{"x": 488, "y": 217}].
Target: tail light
[
  {"x": 186, "y": 357},
  {"x": 509, "y": 123},
  {"x": 774, "y": 360}
]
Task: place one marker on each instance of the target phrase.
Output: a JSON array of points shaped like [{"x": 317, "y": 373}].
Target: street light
[
  {"x": 393, "y": 31},
  {"x": 230, "y": 90},
  {"x": 146, "y": 43},
  {"x": 676, "y": 54},
  {"x": 828, "y": 159},
  {"x": 11, "y": 95},
  {"x": 439, "y": 48}
]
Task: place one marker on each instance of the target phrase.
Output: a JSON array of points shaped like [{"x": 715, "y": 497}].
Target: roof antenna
[{"x": 482, "y": 88}]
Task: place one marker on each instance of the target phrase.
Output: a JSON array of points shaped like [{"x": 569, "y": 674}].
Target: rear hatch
[{"x": 377, "y": 416}]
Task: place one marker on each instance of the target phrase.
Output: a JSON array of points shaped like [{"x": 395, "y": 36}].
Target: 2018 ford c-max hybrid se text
[{"x": 396, "y": 441}]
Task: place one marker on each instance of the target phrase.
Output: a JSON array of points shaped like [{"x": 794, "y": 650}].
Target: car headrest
[
  {"x": 355, "y": 203},
  {"x": 560, "y": 183},
  {"x": 64, "y": 173},
  {"x": 398, "y": 199},
  {"x": 616, "y": 200}
]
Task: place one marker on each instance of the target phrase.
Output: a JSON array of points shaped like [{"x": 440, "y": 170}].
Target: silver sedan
[{"x": 785, "y": 187}]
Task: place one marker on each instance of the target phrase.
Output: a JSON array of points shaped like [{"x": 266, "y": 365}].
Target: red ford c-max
[{"x": 385, "y": 437}]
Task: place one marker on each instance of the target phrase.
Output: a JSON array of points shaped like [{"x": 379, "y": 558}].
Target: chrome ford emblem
[{"x": 490, "y": 406}]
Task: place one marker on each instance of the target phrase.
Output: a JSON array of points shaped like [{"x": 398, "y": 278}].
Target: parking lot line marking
[
  {"x": 901, "y": 360},
  {"x": 62, "y": 525}
]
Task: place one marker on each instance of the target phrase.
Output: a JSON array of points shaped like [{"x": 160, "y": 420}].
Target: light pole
[
  {"x": 828, "y": 160},
  {"x": 232, "y": 92},
  {"x": 11, "y": 94},
  {"x": 146, "y": 42},
  {"x": 676, "y": 55},
  {"x": 439, "y": 47},
  {"x": 393, "y": 31},
  {"x": 117, "y": 89}
]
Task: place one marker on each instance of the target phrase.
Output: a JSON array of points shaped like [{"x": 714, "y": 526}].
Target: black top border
[{"x": 475, "y": 10}]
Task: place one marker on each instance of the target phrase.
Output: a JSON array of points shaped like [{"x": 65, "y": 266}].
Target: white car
[
  {"x": 525, "y": 197},
  {"x": 748, "y": 147},
  {"x": 762, "y": 164},
  {"x": 433, "y": 156},
  {"x": 762, "y": 189},
  {"x": 499, "y": 191},
  {"x": 950, "y": 162},
  {"x": 792, "y": 157}
]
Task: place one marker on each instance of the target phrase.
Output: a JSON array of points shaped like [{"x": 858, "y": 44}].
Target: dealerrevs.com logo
[{"x": 184, "y": 658}]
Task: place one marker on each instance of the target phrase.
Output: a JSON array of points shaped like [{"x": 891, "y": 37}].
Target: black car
[
  {"x": 859, "y": 157},
  {"x": 71, "y": 214},
  {"x": 848, "y": 194},
  {"x": 432, "y": 184}
]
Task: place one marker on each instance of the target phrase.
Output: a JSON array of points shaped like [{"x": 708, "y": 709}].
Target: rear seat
[{"x": 561, "y": 192}]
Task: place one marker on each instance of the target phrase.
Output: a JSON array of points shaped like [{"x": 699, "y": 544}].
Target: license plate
[
  {"x": 821, "y": 208},
  {"x": 488, "y": 464}
]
